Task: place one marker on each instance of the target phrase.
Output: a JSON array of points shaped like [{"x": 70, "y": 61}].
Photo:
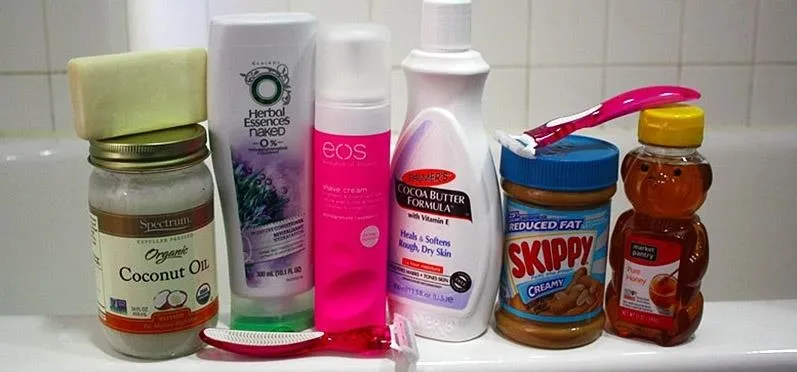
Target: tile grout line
[
  {"x": 25, "y": 73},
  {"x": 753, "y": 56},
  {"x": 605, "y": 63},
  {"x": 527, "y": 68},
  {"x": 49, "y": 67},
  {"x": 127, "y": 23},
  {"x": 656, "y": 64},
  {"x": 682, "y": 21},
  {"x": 371, "y": 10}
]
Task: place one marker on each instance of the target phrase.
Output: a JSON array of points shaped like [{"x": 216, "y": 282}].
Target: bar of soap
[{"x": 128, "y": 93}]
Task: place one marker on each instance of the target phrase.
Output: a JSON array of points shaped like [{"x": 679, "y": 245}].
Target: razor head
[
  {"x": 522, "y": 145},
  {"x": 403, "y": 344}
]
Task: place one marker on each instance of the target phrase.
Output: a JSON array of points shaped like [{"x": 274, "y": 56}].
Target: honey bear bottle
[{"x": 659, "y": 249}]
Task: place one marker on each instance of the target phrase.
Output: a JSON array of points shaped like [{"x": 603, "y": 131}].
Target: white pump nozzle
[
  {"x": 355, "y": 64},
  {"x": 445, "y": 25}
]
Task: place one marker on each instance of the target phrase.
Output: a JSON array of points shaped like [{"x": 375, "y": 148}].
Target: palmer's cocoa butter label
[
  {"x": 429, "y": 262},
  {"x": 415, "y": 191},
  {"x": 155, "y": 273},
  {"x": 554, "y": 262}
]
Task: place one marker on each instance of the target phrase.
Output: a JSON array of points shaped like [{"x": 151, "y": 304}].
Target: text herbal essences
[
  {"x": 659, "y": 249},
  {"x": 555, "y": 243},
  {"x": 260, "y": 109}
]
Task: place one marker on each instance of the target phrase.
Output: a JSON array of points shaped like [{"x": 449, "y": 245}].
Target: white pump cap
[
  {"x": 445, "y": 25},
  {"x": 353, "y": 65}
]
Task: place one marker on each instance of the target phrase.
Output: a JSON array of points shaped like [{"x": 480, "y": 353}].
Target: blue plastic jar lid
[{"x": 576, "y": 163}]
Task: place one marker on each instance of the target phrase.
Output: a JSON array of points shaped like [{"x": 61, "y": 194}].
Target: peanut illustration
[
  {"x": 582, "y": 298},
  {"x": 568, "y": 302},
  {"x": 582, "y": 295},
  {"x": 517, "y": 303}
]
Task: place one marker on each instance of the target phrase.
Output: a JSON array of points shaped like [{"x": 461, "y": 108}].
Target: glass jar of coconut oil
[{"x": 151, "y": 203}]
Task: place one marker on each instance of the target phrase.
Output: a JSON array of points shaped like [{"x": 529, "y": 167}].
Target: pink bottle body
[{"x": 350, "y": 219}]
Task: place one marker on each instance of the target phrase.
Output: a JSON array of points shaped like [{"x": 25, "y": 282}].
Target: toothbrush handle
[
  {"x": 643, "y": 98},
  {"x": 367, "y": 341},
  {"x": 265, "y": 351},
  {"x": 613, "y": 108}
]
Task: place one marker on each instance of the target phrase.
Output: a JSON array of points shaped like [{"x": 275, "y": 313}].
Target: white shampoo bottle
[
  {"x": 445, "y": 244},
  {"x": 260, "y": 111}
]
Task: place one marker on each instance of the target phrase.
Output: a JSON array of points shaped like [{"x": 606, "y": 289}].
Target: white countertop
[{"x": 734, "y": 336}]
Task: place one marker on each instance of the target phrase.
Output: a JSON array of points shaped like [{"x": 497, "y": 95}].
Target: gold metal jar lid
[{"x": 157, "y": 150}]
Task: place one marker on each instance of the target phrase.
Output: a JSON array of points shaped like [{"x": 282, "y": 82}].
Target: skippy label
[
  {"x": 649, "y": 288},
  {"x": 423, "y": 263},
  {"x": 270, "y": 154},
  {"x": 155, "y": 273},
  {"x": 555, "y": 262}
]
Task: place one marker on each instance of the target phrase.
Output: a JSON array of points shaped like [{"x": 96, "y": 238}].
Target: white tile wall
[
  {"x": 644, "y": 31},
  {"x": 725, "y": 90},
  {"x": 219, "y": 7},
  {"x": 22, "y": 39},
  {"x": 404, "y": 19},
  {"x": 549, "y": 57},
  {"x": 500, "y": 31},
  {"x": 62, "y": 110},
  {"x": 774, "y": 92},
  {"x": 398, "y": 102},
  {"x": 505, "y": 98},
  {"x": 718, "y": 31},
  {"x": 25, "y": 103},
  {"x": 777, "y": 31},
  {"x": 334, "y": 11},
  {"x": 556, "y": 41},
  {"x": 83, "y": 28},
  {"x": 555, "y": 92}
]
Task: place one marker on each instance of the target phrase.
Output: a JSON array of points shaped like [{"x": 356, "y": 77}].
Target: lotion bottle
[
  {"x": 445, "y": 244},
  {"x": 351, "y": 144}
]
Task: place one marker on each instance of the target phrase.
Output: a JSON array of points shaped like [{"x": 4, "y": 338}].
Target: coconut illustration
[
  {"x": 161, "y": 300},
  {"x": 177, "y": 298}
]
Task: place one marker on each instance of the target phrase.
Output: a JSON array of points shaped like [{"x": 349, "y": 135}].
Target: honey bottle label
[
  {"x": 554, "y": 262},
  {"x": 648, "y": 294}
]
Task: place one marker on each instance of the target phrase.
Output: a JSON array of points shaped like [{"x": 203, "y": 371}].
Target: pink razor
[
  {"x": 613, "y": 108},
  {"x": 397, "y": 338}
]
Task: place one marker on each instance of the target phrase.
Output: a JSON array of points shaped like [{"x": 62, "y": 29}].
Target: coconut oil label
[
  {"x": 271, "y": 163},
  {"x": 155, "y": 273}
]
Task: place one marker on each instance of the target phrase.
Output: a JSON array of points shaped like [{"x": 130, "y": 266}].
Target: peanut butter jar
[{"x": 557, "y": 214}]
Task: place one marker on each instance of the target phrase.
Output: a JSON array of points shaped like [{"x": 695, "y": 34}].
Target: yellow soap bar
[{"x": 127, "y": 93}]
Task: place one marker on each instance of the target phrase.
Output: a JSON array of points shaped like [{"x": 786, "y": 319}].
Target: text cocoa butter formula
[
  {"x": 556, "y": 233},
  {"x": 152, "y": 238}
]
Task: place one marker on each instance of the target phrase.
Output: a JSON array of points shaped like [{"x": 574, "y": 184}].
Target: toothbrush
[
  {"x": 397, "y": 338},
  {"x": 623, "y": 104}
]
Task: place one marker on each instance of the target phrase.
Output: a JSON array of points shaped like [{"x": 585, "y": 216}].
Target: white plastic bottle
[
  {"x": 260, "y": 111},
  {"x": 445, "y": 247}
]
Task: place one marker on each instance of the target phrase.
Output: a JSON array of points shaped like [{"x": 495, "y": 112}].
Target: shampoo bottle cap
[
  {"x": 445, "y": 25},
  {"x": 353, "y": 65}
]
